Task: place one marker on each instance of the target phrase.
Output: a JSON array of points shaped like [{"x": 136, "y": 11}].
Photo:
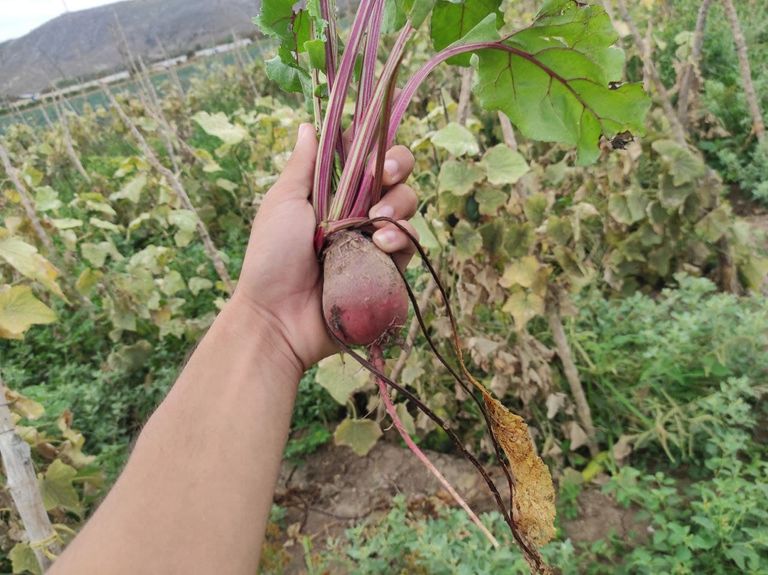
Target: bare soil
[{"x": 334, "y": 489}]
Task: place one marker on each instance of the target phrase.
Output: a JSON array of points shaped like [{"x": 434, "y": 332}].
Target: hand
[{"x": 281, "y": 278}]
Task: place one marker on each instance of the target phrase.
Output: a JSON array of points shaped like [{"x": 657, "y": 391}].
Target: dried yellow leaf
[{"x": 534, "y": 495}]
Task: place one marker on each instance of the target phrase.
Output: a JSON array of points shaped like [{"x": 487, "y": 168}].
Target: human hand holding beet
[{"x": 281, "y": 277}]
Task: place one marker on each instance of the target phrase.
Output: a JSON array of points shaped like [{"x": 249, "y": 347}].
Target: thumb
[{"x": 298, "y": 174}]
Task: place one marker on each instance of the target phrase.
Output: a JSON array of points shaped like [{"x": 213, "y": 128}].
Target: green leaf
[
  {"x": 211, "y": 166},
  {"x": 493, "y": 233},
  {"x": 66, "y": 223},
  {"x": 405, "y": 416},
  {"x": 426, "y": 238},
  {"x": 87, "y": 280},
  {"x": 358, "y": 434},
  {"x": 219, "y": 126},
  {"x": 559, "y": 229},
  {"x": 397, "y": 12},
  {"x": 186, "y": 222},
  {"x": 555, "y": 88},
  {"x": 316, "y": 51},
  {"x": 120, "y": 314},
  {"x": 340, "y": 378},
  {"x": 629, "y": 207},
  {"x": 468, "y": 241},
  {"x": 130, "y": 358},
  {"x": 172, "y": 283},
  {"x": 522, "y": 272},
  {"x": 457, "y": 140},
  {"x": 754, "y": 269},
  {"x": 451, "y": 21},
  {"x": 100, "y": 205},
  {"x": 459, "y": 177},
  {"x": 523, "y": 307},
  {"x": 47, "y": 199},
  {"x": 25, "y": 259},
  {"x": 104, "y": 225},
  {"x": 276, "y": 18},
  {"x": 504, "y": 165},
  {"x": 23, "y": 406},
  {"x": 32, "y": 176},
  {"x": 131, "y": 191},
  {"x": 535, "y": 208},
  {"x": 130, "y": 165},
  {"x": 301, "y": 33},
  {"x": 23, "y": 560},
  {"x": 715, "y": 224},
  {"x": 151, "y": 260},
  {"x": 288, "y": 76},
  {"x": 518, "y": 238},
  {"x": 57, "y": 489},
  {"x": 227, "y": 185},
  {"x": 490, "y": 200},
  {"x": 97, "y": 254},
  {"x": 395, "y": 15},
  {"x": 196, "y": 285},
  {"x": 682, "y": 163},
  {"x": 577, "y": 25},
  {"x": 19, "y": 310},
  {"x": 672, "y": 196}
]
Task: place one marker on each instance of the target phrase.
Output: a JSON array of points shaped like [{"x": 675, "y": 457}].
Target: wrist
[{"x": 251, "y": 323}]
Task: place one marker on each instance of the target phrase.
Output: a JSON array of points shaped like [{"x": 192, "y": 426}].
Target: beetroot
[{"x": 364, "y": 298}]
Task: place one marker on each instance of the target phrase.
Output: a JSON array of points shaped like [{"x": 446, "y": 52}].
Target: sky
[{"x": 17, "y": 17}]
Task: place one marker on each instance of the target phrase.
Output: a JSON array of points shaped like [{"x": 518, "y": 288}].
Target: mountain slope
[{"x": 86, "y": 42}]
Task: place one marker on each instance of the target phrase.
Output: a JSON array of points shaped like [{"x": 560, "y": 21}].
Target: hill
[{"x": 87, "y": 42}]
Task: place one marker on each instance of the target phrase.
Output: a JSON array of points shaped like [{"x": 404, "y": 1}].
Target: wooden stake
[
  {"x": 27, "y": 203},
  {"x": 68, "y": 143},
  {"x": 22, "y": 485},
  {"x": 571, "y": 371},
  {"x": 653, "y": 75},
  {"x": 691, "y": 68},
  {"x": 465, "y": 96},
  {"x": 758, "y": 124},
  {"x": 508, "y": 131},
  {"x": 178, "y": 188}
]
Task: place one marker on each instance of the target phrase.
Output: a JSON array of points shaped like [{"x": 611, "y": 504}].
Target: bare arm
[{"x": 196, "y": 492}]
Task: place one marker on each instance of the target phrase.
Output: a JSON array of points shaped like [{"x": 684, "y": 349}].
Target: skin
[{"x": 196, "y": 492}]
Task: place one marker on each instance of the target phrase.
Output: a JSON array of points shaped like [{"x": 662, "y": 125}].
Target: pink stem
[
  {"x": 329, "y": 136},
  {"x": 328, "y": 12},
  {"x": 407, "y": 93},
  {"x": 331, "y": 46},
  {"x": 367, "y": 78},
  {"x": 378, "y": 361},
  {"x": 348, "y": 190}
]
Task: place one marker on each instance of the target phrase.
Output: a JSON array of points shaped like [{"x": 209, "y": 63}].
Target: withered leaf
[{"x": 534, "y": 493}]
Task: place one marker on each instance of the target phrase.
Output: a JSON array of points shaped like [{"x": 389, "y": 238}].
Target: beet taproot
[{"x": 364, "y": 298}]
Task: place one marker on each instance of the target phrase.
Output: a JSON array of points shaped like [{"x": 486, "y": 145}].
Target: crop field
[{"x": 611, "y": 292}]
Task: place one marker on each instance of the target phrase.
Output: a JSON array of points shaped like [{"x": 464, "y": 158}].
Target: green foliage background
[{"x": 674, "y": 369}]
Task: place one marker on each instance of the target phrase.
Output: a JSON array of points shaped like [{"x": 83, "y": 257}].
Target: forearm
[{"x": 197, "y": 489}]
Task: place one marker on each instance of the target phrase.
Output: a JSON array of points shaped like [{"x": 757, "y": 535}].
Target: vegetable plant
[{"x": 557, "y": 79}]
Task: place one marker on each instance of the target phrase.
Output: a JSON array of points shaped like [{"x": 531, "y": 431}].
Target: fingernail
[
  {"x": 391, "y": 167},
  {"x": 304, "y": 132},
  {"x": 385, "y": 238},
  {"x": 384, "y": 212}
]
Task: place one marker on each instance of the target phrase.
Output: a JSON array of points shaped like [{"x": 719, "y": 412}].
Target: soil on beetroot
[{"x": 333, "y": 489}]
